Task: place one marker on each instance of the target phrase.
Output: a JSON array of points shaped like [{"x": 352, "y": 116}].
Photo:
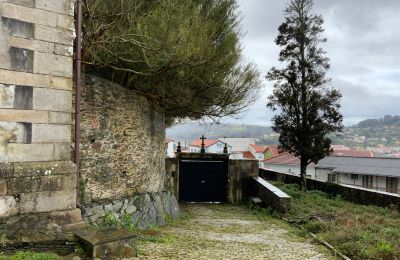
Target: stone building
[
  {"x": 37, "y": 175},
  {"x": 123, "y": 153}
]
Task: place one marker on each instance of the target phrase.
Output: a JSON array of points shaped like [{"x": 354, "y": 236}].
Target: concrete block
[
  {"x": 63, "y": 7},
  {"x": 18, "y": 28},
  {"x": 43, "y": 133},
  {"x": 3, "y": 187},
  {"x": 51, "y": 64},
  {"x": 10, "y": 115},
  {"x": 31, "y": 44},
  {"x": 56, "y": 35},
  {"x": 47, "y": 201},
  {"x": 28, "y": 14},
  {"x": 8, "y": 206},
  {"x": 30, "y": 152},
  {"x": 35, "y": 80},
  {"x": 65, "y": 50},
  {"x": 52, "y": 100},
  {"x": 41, "y": 168},
  {"x": 41, "y": 183},
  {"x": 60, "y": 118},
  {"x": 62, "y": 151}
]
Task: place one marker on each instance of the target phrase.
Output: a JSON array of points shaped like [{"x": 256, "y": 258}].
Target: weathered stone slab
[
  {"x": 11, "y": 115},
  {"x": 35, "y": 80},
  {"x": 60, "y": 118},
  {"x": 65, "y": 22},
  {"x": 56, "y": 35},
  {"x": 6, "y": 170},
  {"x": 21, "y": 59},
  {"x": 29, "y": 3},
  {"x": 62, "y": 151},
  {"x": 3, "y": 187},
  {"x": 8, "y": 206},
  {"x": 28, "y": 14},
  {"x": 109, "y": 244},
  {"x": 20, "y": 132},
  {"x": 51, "y": 64},
  {"x": 30, "y": 152},
  {"x": 7, "y": 93},
  {"x": 19, "y": 28},
  {"x": 47, "y": 201},
  {"x": 41, "y": 183},
  {"x": 42, "y": 168},
  {"x": 52, "y": 100},
  {"x": 31, "y": 44},
  {"x": 44, "y": 133},
  {"x": 63, "y": 7},
  {"x": 65, "y": 50}
]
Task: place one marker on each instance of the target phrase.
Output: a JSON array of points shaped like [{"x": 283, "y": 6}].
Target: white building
[
  {"x": 372, "y": 173},
  {"x": 170, "y": 148},
  {"x": 210, "y": 146},
  {"x": 287, "y": 163},
  {"x": 238, "y": 144}
]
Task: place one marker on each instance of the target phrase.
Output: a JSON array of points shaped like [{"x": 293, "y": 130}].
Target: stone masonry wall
[
  {"x": 36, "y": 68},
  {"x": 122, "y": 155}
]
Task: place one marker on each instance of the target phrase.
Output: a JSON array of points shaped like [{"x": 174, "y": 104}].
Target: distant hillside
[
  {"x": 194, "y": 130},
  {"x": 387, "y": 120}
]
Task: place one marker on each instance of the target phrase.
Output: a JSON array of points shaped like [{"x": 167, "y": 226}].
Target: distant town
[{"x": 366, "y": 155}]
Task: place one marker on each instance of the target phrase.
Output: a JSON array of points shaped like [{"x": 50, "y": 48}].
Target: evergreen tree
[
  {"x": 308, "y": 105},
  {"x": 184, "y": 55}
]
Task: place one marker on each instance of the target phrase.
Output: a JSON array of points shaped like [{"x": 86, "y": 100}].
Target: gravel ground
[{"x": 226, "y": 232}]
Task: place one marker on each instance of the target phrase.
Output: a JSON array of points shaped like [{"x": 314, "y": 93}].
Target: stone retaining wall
[
  {"x": 142, "y": 210},
  {"x": 353, "y": 194}
]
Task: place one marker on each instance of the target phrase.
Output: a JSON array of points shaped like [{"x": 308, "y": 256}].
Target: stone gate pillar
[{"x": 37, "y": 175}]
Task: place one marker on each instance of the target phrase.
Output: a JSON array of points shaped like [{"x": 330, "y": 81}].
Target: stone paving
[{"x": 226, "y": 232}]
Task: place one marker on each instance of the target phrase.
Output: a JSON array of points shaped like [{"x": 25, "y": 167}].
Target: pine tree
[{"x": 308, "y": 105}]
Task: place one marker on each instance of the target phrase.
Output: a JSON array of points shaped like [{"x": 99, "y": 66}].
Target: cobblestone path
[{"x": 226, "y": 232}]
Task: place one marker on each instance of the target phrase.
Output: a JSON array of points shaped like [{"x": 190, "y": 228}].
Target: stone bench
[{"x": 108, "y": 244}]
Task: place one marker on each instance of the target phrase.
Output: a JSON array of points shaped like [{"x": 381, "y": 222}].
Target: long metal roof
[{"x": 389, "y": 167}]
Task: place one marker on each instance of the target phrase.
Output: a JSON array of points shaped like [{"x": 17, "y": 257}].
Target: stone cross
[
  {"x": 179, "y": 148},
  {"x": 203, "y": 150}
]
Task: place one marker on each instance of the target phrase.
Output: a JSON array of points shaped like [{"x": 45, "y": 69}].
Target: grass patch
[
  {"x": 358, "y": 231},
  {"x": 31, "y": 256}
]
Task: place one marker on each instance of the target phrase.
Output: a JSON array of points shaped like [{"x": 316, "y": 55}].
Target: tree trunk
[{"x": 303, "y": 170}]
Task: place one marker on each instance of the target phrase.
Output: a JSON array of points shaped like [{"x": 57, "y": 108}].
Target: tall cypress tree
[{"x": 308, "y": 106}]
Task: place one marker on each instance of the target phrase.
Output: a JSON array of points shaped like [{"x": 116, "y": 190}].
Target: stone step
[{"x": 108, "y": 244}]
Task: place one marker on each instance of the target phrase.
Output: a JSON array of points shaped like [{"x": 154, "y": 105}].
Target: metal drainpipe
[{"x": 78, "y": 46}]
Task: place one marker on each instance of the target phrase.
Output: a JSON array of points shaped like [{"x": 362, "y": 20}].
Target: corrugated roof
[{"x": 361, "y": 165}]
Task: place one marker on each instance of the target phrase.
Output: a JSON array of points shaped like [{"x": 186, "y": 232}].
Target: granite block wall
[{"x": 37, "y": 175}]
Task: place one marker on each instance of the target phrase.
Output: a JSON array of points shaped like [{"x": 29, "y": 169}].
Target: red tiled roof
[
  {"x": 273, "y": 149},
  {"x": 284, "y": 158},
  {"x": 248, "y": 155},
  {"x": 353, "y": 153},
  {"x": 258, "y": 148},
  {"x": 207, "y": 143}
]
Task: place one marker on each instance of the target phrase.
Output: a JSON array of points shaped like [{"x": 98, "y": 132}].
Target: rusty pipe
[{"x": 78, "y": 49}]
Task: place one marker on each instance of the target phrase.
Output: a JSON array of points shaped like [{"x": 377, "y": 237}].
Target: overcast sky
[{"x": 363, "y": 47}]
